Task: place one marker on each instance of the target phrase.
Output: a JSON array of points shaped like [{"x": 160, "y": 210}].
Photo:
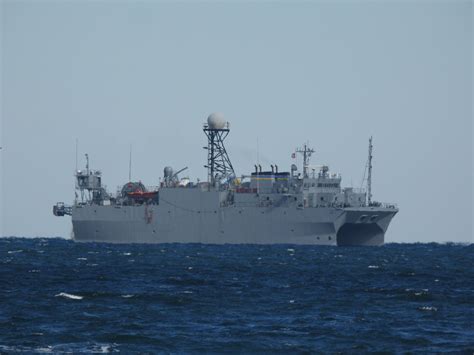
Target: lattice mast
[{"x": 218, "y": 165}]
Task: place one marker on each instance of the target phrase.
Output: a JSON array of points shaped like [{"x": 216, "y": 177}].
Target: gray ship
[{"x": 306, "y": 206}]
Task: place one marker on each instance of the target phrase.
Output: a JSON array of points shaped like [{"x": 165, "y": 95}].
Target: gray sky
[{"x": 148, "y": 74}]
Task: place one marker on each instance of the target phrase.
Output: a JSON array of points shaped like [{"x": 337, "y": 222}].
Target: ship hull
[{"x": 167, "y": 223}]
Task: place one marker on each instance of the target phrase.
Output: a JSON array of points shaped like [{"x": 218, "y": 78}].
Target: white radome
[
  {"x": 216, "y": 120},
  {"x": 168, "y": 171}
]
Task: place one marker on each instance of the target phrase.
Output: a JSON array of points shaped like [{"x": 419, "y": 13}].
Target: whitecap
[
  {"x": 48, "y": 349},
  {"x": 127, "y": 254},
  {"x": 428, "y": 308},
  {"x": 373, "y": 266},
  {"x": 14, "y": 251},
  {"x": 126, "y": 296},
  {"x": 81, "y": 258},
  {"x": 105, "y": 349},
  {"x": 291, "y": 250},
  {"x": 292, "y": 301},
  {"x": 190, "y": 268},
  {"x": 68, "y": 295},
  {"x": 188, "y": 291}
]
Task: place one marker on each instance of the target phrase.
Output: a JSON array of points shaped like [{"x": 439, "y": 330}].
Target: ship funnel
[
  {"x": 273, "y": 169},
  {"x": 293, "y": 169},
  {"x": 276, "y": 168},
  {"x": 259, "y": 168},
  {"x": 256, "y": 168}
]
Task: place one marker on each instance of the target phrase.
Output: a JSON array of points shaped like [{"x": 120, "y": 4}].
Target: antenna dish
[{"x": 216, "y": 120}]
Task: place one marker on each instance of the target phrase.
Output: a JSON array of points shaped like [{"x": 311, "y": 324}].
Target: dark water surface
[{"x": 58, "y": 296}]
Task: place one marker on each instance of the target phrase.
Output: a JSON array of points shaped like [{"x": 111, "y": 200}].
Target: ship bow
[{"x": 364, "y": 227}]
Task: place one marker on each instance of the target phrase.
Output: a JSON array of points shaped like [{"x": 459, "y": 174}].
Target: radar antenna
[
  {"x": 218, "y": 161},
  {"x": 306, "y": 152},
  {"x": 369, "y": 176}
]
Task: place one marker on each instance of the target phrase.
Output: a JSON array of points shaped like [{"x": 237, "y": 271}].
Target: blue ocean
[{"x": 61, "y": 296}]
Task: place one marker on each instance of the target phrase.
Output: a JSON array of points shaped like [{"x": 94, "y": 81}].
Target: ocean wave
[{"x": 69, "y": 295}]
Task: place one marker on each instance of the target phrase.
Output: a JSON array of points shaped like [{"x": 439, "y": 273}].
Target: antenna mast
[
  {"x": 306, "y": 152},
  {"x": 258, "y": 163},
  {"x": 369, "y": 177},
  {"x": 77, "y": 143},
  {"x": 130, "y": 165},
  {"x": 87, "y": 163}
]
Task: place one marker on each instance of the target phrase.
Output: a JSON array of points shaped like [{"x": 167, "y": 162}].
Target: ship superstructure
[{"x": 263, "y": 207}]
